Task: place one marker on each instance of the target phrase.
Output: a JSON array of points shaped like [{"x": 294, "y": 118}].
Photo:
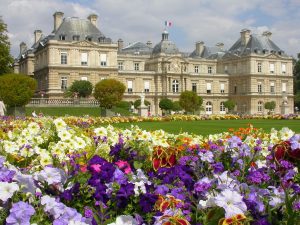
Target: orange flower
[{"x": 235, "y": 220}]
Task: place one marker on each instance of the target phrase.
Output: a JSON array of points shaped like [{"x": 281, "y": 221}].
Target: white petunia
[
  {"x": 231, "y": 202},
  {"x": 286, "y": 133},
  {"x": 124, "y": 220},
  {"x": 51, "y": 175},
  {"x": 7, "y": 190},
  {"x": 76, "y": 222},
  {"x": 64, "y": 135},
  {"x": 101, "y": 131}
]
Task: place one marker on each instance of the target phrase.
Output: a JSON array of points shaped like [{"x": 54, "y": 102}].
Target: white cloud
[{"x": 211, "y": 21}]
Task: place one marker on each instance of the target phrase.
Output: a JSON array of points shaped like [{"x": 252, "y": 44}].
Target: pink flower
[
  {"x": 96, "y": 167},
  {"x": 123, "y": 165}
]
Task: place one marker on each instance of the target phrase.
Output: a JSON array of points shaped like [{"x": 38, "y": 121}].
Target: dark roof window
[
  {"x": 62, "y": 37},
  {"x": 76, "y": 38}
]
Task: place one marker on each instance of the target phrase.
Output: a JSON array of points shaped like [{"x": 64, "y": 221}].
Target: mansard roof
[
  {"x": 81, "y": 28},
  {"x": 258, "y": 44},
  {"x": 208, "y": 52},
  {"x": 137, "y": 48}
]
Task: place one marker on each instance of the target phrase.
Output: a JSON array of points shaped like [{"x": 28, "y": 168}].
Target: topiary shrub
[
  {"x": 137, "y": 103},
  {"x": 109, "y": 92},
  {"x": 81, "y": 88},
  {"x": 16, "y": 90}
]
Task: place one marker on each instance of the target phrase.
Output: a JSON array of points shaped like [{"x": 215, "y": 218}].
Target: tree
[
  {"x": 5, "y": 58},
  {"x": 297, "y": 100},
  {"x": 124, "y": 105},
  {"x": 166, "y": 104},
  {"x": 229, "y": 104},
  {"x": 176, "y": 106},
  {"x": 137, "y": 103},
  {"x": 82, "y": 88},
  {"x": 16, "y": 89},
  {"x": 270, "y": 106},
  {"x": 190, "y": 101},
  {"x": 109, "y": 92}
]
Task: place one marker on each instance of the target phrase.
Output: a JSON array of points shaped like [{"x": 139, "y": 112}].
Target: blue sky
[{"x": 211, "y": 21}]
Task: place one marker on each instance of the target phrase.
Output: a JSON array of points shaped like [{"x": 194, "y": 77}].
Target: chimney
[
  {"x": 267, "y": 34},
  {"x": 58, "y": 17},
  {"x": 220, "y": 46},
  {"x": 93, "y": 19},
  {"x": 120, "y": 44},
  {"x": 199, "y": 47},
  {"x": 23, "y": 47},
  {"x": 245, "y": 36},
  {"x": 37, "y": 35},
  {"x": 149, "y": 44}
]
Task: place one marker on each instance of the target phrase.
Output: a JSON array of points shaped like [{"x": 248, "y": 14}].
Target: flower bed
[{"x": 56, "y": 172}]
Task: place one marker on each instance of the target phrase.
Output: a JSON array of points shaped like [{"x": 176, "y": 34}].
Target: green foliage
[
  {"x": 190, "y": 101},
  {"x": 137, "y": 103},
  {"x": 83, "y": 88},
  {"x": 166, "y": 104},
  {"x": 5, "y": 58},
  {"x": 16, "y": 89},
  {"x": 124, "y": 105},
  {"x": 297, "y": 100},
  {"x": 229, "y": 104},
  {"x": 109, "y": 92},
  {"x": 176, "y": 106},
  {"x": 270, "y": 105}
]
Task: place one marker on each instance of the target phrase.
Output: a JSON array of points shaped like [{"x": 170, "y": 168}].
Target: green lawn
[{"x": 205, "y": 127}]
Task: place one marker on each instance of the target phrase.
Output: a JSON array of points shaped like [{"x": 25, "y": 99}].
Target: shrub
[
  {"x": 190, "y": 101},
  {"x": 270, "y": 106},
  {"x": 176, "y": 106},
  {"x": 124, "y": 105},
  {"x": 83, "y": 88},
  {"x": 137, "y": 103},
  {"x": 166, "y": 104},
  {"x": 16, "y": 89},
  {"x": 109, "y": 92},
  {"x": 229, "y": 104}
]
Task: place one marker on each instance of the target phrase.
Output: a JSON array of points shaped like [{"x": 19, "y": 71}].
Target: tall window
[
  {"x": 208, "y": 108},
  {"x": 62, "y": 37},
  {"x": 226, "y": 69},
  {"x": 272, "y": 68},
  {"x": 103, "y": 60},
  {"x": 136, "y": 66},
  {"x": 194, "y": 87},
  {"x": 120, "y": 66},
  {"x": 129, "y": 86},
  {"x": 196, "y": 69},
  {"x": 208, "y": 88},
  {"x": 272, "y": 87},
  {"x": 284, "y": 87},
  {"x": 175, "y": 86},
  {"x": 146, "y": 86},
  {"x": 259, "y": 67},
  {"x": 260, "y": 106},
  {"x": 84, "y": 58},
  {"x": 76, "y": 38},
  {"x": 209, "y": 69},
  {"x": 259, "y": 87},
  {"x": 283, "y": 68},
  {"x": 235, "y": 89},
  {"x": 63, "y": 58},
  {"x": 222, "y": 88},
  {"x": 222, "y": 108},
  {"x": 64, "y": 83}
]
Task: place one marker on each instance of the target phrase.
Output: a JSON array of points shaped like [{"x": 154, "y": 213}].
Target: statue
[
  {"x": 2, "y": 108},
  {"x": 142, "y": 99}
]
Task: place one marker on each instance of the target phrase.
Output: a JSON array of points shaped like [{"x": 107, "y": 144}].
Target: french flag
[{"x": 168, "y": 23}]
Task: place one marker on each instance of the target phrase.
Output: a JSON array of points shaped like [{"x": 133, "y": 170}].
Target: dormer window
[
  {"x": 88, "y": 38},
  {"x": 76, "y": 38},
  {"x": 101, "y": 39},
  {"x": 265, "y": 51},
  {"x": 62, "y": 37}
]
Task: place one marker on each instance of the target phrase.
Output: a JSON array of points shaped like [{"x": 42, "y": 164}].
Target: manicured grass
[
  {"x": 205, "y": 127},
  {"x": 71, "y": 111}
]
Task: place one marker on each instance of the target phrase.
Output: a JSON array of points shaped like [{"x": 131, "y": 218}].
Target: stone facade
[{"x": 253, "y": 71}]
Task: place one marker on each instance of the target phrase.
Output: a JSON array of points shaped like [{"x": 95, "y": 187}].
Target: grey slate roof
[
  {"x": 258, "y": 44},
  {"x": 208, "y": 52},
  {"x": 137, "y": 48},
  {"x": 83, "y": 28}
]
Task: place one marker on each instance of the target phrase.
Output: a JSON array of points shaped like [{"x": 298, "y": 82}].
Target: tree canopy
[
  {"x": 137, "y": 103},
  {"x": 81, "y": 88},
  {"x": 229, "y": 104},
  {"x": 109, "y": 92},
  {"x": 16, "y": 89},
  {"x": 166, "y": 104},
  {"x": 190, "y": 101},
  {"x": 270, "y": 106},
  {"x": 5, "y": 58}
]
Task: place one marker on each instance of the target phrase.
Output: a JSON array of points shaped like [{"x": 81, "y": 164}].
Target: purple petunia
[{"x": 20, "y": 213}]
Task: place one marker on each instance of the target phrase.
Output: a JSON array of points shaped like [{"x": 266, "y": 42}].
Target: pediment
[
  {"x": 176, "y": 59},
  {"x": 86, "y": 44}
]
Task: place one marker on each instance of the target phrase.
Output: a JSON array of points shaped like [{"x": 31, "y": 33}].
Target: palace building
[{"x": 252, "y": 72}]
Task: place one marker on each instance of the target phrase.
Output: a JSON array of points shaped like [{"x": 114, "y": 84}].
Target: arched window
[
  {"x": 222, "y": 108},
  {"x": 175, "y": 86},
  {"x": 260, "y": 106},
  {"x": 208, "y": 108}
]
